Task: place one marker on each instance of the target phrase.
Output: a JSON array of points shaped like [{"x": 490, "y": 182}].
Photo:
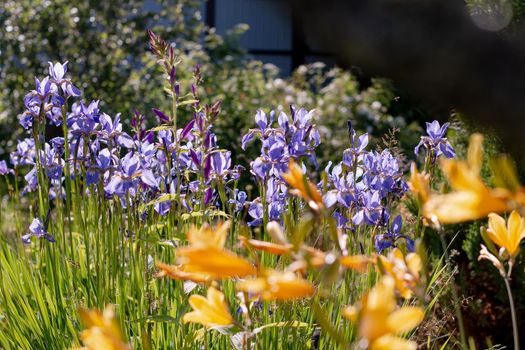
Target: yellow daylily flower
[
  {"x": 206, "y": 256},
  {"x": 507, "y": 236},
  {"x": 269, "y": 247},
  {"x": 403, "y": 269},
  {"x": 359, "y": 263},
  {"x": 214, "y": 262},
  {"x": 471, "y": 198},
  {"x": 102, "y": 330},
  {"x": 419, "y": 183},
  {"x": 274, "y": 285},
  {"x": 211, "y": 311},
  {"x": 379, "y": 322},
  {"x": 179, "y": 273},
  {"x": 207, "y": 236},
  {"x": 302, "y": 187}
]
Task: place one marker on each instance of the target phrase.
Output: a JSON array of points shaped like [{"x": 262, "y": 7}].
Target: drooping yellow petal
[
  {"x": 497, "y": 230},
  {"x": 269, "y": 247},
  {"x": 211, "y": 311},
  {"x": 475, "y": 152},
  {"x": 378, "y": 320},
  {"x": 178, "y": 273},
  {"x": 461, "y": 206},
  {"x": 214, "y": 262},
  {"x": 351, "y": 313},
  {"x": 206, "y": 236},
  {"x": 405, "y": 319},
  {"x": 403, "y": 270},
  {"x": 302, "y": 186},
  {"x": 391, "y": 342},
  {"x": 419, "y": 183},
  {"x": 273, "y": 285},
  {"x": 381, "y": 297},
  {"x": 102, "y": 330},
  {"x": 414, "y": 263},
  {"x": 359, "y": 263},
  {"x": 515, "y": 232}
]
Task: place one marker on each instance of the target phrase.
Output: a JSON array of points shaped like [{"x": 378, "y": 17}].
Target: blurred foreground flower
[
  {"x": 102, "y": 330},
  {"x": 379, "y": 322},
  {"x": 178, "y": 273},
  {"x": 211, "y": 311},
  {"x": 206, "y": 257},
  {"x": 403, "y": 269},
  {"x": 359, "y": 263},
  {"x": 275, "y": 285},
  {"x": 268, "y": 247},
  {"x": 471, "y": 198},
  {"x": 302, "y": 187},
  {"x": 419, "y": 183}
]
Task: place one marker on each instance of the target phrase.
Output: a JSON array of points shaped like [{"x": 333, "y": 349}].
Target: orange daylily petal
[
  {"x": 214, "y": 262},
  {"x": 405, "y": 319},
  {"x": 102, "y": 330},
  {"x": 356, "y": 262},
  {"x": 515, "y": 229},
  {"x": 475, "y": 152},
  {"x": 403, "y": 270},
  {"x": 207, "y": 236},
  {"x": 277, "y": 286},
  {"x": 390, "y": 342},
  {"x": 210, "y": 311},
  {"x": 419, "y": 183},
  {"x": 462, "y": 206},
  {"x": 506, "y": 236},
  {"x": 268, "y": 247},
  {"x": 177, "y": 273},
  {"x": 304, "y": 188},
  {"x": 379, "y": 321}
]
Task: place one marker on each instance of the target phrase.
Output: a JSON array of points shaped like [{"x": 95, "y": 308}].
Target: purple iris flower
[
  {"x": 112, "y": 130},
  {"x": 24, "y": 154},
  {"x": 103, "y": 162},
  {"x": 436, "y": 143},
  {"x": 53, "y": 163},
  {"x": 255, "y": 210},
  {"x": 357, "y": 149},
  {"x": 84, "y": 120},
  {"x": 388, "y": 239},
  {"x": 220, "y": 165},
  {"x": 369, "y": 210},
  {"x": 238, "y": 200},
  {"x": 31, "y": 181},
  {"x": 36, "y": 229},
  {"x": 130, "y": 175},
  {"x": 57, "y": 72},
  {"x": 4, "y": 170},
  {"x": 294, "y": 138}
]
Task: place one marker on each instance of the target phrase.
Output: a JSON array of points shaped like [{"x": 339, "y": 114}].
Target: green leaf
[
  {"x": 290, "y": 324},
  {"x": 164, "y": 198},
  {"x": 187, "y": 102},
  {"x": 161, "y": 127}
]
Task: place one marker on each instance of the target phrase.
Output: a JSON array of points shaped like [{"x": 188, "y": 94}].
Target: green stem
[{"x": 513, "y": 313}]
